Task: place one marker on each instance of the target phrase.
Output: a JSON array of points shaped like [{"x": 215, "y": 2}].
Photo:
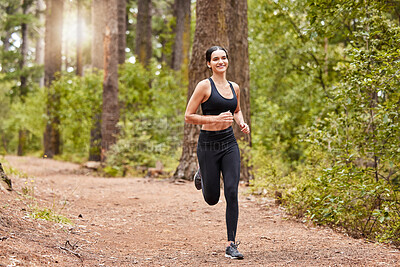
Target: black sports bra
[{"x": 216, "y": 103}]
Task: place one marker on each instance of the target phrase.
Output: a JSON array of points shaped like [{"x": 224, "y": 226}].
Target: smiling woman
[{"x": 217, "y": 149}]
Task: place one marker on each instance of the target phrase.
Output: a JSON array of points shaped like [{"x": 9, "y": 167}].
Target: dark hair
[{"x": 212, "y": 49}]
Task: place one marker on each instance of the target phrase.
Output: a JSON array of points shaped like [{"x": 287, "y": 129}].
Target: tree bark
[
  {"x": 52, "y": 65},
  {"x": 5, "y": 182},
  {"x": 180, "y": 52},
  {"x": 121, "y": 31},
  {"x": 79, "y": 37},
  {"x": 209, "y": 31},
  {"x": 98, "y": 26},
  {"x": 238, "y": 71},
  {"x": 23, "y": 88},
  {"x": 230, "y": 31},
  {"x": 39, "y": 55},
  {"x": 143, "y": 48},
  {"x": 110, "y": 111}
]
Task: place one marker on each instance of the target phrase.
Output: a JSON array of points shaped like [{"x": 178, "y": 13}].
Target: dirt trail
[{"x": 150, "y": 222}]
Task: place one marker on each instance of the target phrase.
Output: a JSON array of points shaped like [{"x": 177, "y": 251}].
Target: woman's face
[{"x": 219, "y": 61}]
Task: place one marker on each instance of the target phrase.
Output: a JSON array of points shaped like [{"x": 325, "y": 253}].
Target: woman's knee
[
  {"x": 211, "y": 199},
  {"x": 231, "y": 194}
]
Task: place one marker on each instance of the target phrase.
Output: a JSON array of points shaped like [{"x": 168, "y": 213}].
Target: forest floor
[{"x": 155, "y": 222}]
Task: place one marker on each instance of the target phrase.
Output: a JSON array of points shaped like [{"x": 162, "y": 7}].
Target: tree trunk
[
  {"x": 143, "y": 48},
  {"x": 110, "y": 111},
  {"x": 5, "y": 182},
  {"x": 10, "y": 10},
  {"x": 23, "y": 88},
  {"x": 79, "y": 37},
  {"x": 121, "y": 31},
  {"x": 39, "y": 56},
  {"x": 98, "y": 25},
  {"x": 238, "y": 71},
  {"x": 230, "y": 32},
  {"x": 180, "y": 52},
  {"x": 22, "y": 135},
  {"x": 52, "y": 65},
  {"x": 95, "y": 138},
  {"x": 209, "y": 31}
]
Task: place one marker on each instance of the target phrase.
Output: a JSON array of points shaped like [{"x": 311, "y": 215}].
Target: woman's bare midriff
[{"x": 216, "y": 127}]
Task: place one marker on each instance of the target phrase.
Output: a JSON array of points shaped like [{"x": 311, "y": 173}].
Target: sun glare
[{"x": 70, "y": 30}]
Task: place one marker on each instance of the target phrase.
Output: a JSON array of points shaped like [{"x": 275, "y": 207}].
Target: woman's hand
[
  {"x": 224, "y": 117},
  {"x": 244, "y": 128}
]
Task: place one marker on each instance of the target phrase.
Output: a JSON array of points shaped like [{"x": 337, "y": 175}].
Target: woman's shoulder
[
  {"x": 204, "y": 84},
  {"x": 235, "y": 85}
]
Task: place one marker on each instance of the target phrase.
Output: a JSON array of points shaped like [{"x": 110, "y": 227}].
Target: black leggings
[{"x": 218, "y": 151}]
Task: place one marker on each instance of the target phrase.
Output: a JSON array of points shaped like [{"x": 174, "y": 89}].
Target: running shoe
[
  {"x": 197, "y": 180},
  {"x": 232, "y": 252}
]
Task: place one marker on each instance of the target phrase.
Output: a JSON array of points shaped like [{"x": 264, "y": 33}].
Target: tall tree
[
  {"x": 8, "y": 9},
  {"x": 121, "y": 30},
  {"x": 98, "y": 26},
  {"x": 238, "y": 71},
  {"x": 52, "y": 65},
  {"x": 231, "y": 32},
  {"x": 79, "y": 37},
  {"x": 181, "y": 47},
  {"x": 143, "y": 48},
  {"x": 39, "y": 51},
  {"x": 110, "y": 110},
  {"x": 23, "y": 77},
  {"x": 209, "y": 31}
]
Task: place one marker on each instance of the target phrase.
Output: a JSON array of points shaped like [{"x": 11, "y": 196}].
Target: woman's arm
[
  {"x": 238, "y": 116},
  {"x": 200, "y": 94}
]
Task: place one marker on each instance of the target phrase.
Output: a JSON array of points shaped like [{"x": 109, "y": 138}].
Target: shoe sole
[
  {"x": 234, "y": 258},
  {"x": 197, "y": 184},
  {"x": 198, "y": 187}
]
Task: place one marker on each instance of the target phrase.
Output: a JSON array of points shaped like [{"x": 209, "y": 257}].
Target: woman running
[{"x": 217, "y": 149}]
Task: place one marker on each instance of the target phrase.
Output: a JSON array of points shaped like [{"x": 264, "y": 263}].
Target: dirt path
[{"x": 149, "y": 222}]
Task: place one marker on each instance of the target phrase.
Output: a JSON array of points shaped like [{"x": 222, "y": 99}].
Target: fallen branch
[{"x": 71, "y": 251}]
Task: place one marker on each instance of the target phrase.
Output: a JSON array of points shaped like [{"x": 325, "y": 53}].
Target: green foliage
[
  {"x": 49, "y": 215},
  {"x": 349, "y": 174},
  {"x": 37, "y": 212},
  {"x": 151, "y": 118},
  {"x": 29, "y": 198},
  {"x": 163, "y": 23},
  {"x": 152, "y": 103},
  {"x": 80, "y": 100},
  {"x": 289, "y": 81},
  {"x": 18, "y": 115},
  {"x": 359, "y": 190},
  {"x": 19, "y": 108},
  {"x": 270, "y": 173}
]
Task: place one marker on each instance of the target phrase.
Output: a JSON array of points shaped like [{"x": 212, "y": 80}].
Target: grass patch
[{"x": 49, "y": 215}]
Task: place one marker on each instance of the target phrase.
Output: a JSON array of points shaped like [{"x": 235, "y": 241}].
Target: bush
[{"x": 152, "y": 115}]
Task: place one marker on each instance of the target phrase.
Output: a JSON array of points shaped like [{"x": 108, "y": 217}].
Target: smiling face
[{"x": 218, "y": 62}]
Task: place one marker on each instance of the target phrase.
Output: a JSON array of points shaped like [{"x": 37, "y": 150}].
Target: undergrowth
[{"x": 29, "y": 198}]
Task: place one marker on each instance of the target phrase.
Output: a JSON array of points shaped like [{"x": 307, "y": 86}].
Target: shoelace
[{"x": 236, "y": 244}]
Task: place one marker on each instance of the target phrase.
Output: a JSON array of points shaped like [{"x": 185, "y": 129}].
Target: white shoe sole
[{"x": 234, "y": 258}]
